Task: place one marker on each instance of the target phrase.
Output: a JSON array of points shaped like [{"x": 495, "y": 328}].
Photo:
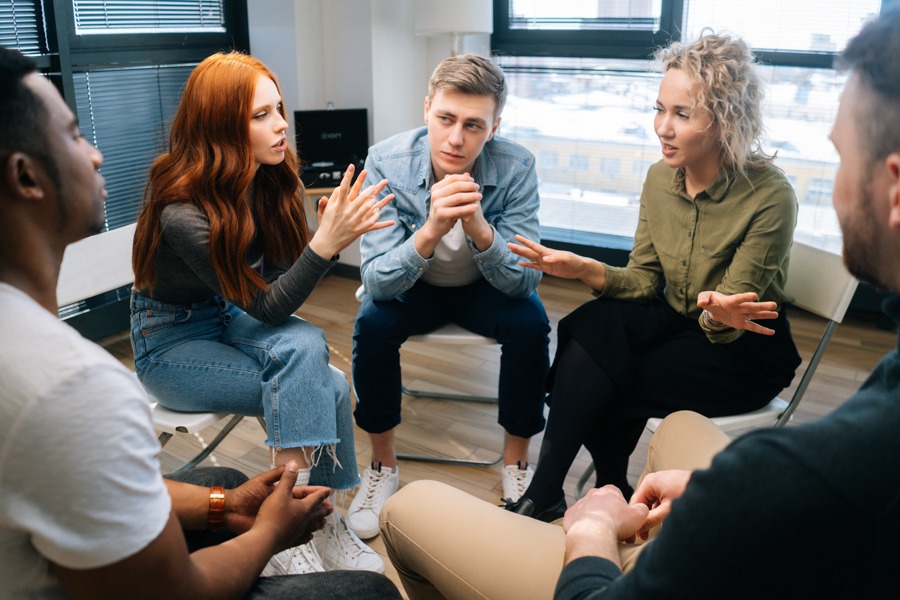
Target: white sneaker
[
  {"x": 294, "y": 561},
  {"x": 378, "y": 484},
  {"x": 516, "y": 479},
  {"x": 340, "y": 549}
]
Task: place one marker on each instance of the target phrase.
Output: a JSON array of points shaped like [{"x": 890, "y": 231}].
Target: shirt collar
[{"x": 715, "y": 191}]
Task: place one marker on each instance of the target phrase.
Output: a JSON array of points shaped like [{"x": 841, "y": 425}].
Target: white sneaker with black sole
[
  {"x": 378, "y": 484},
  {"x": 298, "y": 560},
  {"x": 341, "y": 549},
  {"x": 516, "y": 479}
]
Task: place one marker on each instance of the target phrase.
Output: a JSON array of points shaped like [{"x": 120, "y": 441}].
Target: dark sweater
[
  {"x": 185, "y": 273},
  {"x": 811, "y": 511}
]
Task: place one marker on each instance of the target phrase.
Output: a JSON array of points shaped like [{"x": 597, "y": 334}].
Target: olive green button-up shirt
[{"x": 733, "y": 237}]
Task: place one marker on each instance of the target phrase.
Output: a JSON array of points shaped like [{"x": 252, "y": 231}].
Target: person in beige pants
[{"x": 429, "y": 528}]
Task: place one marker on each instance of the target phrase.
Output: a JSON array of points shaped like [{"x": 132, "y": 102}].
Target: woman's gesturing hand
[
  {"x": 348, "y": 213},
  {"x": 739, "y": 311},
  {"x": 559, "y": 263}
]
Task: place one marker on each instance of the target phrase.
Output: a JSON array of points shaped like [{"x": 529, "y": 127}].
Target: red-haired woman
[{"x": 222, "y": 259}]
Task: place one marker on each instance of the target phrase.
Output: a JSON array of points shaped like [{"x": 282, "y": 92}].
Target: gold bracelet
[{"x": 216, "y": 507}]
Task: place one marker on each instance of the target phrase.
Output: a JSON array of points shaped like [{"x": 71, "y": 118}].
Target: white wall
[{"x": 354, "y": 54}]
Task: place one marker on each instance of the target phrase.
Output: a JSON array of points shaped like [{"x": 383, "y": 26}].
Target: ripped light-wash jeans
[{"x": 212, "y": 356}]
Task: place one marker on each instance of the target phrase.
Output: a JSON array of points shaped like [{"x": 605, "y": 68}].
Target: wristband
[{"x": 216, "y": 507}]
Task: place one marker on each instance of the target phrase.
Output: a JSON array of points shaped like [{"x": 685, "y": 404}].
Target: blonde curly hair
[{"x": 725, "y": 84}]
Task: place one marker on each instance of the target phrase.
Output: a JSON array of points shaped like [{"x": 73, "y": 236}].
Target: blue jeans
[
  {"x": 212, "y": 356},
  {"x": 520, "y": 325}
]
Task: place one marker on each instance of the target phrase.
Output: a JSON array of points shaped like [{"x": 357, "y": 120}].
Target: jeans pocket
[{"x": 154, "y": 320}]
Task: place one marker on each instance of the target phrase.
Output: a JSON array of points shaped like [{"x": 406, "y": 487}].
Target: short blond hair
[{"x": 470, "y": 74}]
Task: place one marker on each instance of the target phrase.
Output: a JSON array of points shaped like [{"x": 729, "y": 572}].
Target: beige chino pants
[{"x": 446, "y": 543}]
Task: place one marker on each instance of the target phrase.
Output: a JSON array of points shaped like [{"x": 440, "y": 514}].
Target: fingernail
[{"x": 292, "y": 466}]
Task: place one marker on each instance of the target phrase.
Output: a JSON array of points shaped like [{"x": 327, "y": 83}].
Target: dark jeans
[
  {"x": 332, "y": 585},
  {"x": 520, "y": 325}
]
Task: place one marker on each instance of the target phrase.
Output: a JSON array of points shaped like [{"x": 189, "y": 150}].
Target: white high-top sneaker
[
  {"x": 516, "y": 479},
  {"x": 340, "y": 548},
  {"x": 378, "y": 484},
  {"x": 294, "y": 561}
]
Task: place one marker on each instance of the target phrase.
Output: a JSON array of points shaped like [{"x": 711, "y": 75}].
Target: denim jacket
[{"x": 504, "y": 169}]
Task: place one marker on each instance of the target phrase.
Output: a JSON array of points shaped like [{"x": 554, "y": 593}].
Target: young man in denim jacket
[{"x": 460, "y": 194}]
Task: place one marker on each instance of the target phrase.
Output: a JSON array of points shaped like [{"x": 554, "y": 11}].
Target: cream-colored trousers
[{"x": 448, "y": 544}]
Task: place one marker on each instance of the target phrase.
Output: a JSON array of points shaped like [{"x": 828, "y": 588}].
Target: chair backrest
[
  {"x": 819, "y": 282},
  {"x": 96, "y": 265}
]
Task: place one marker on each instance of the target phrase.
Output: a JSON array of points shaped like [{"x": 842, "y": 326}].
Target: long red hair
[{"x": 210, "y": 165}]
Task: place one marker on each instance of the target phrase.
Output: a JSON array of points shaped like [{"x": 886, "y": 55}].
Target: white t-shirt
[
  {"x": 80, "y": 482},
  {"x": 453, "y": 264}
]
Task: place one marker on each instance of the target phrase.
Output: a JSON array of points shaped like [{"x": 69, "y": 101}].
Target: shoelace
[
  {"x": 305, "y": 559},
  {"x": 346, "y": 541},
  {"x": 519, "y": 477},
  {"x": 375, "y": 480}
]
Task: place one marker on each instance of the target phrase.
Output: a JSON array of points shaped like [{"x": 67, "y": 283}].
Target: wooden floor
[{"x": 466, "y": 429}]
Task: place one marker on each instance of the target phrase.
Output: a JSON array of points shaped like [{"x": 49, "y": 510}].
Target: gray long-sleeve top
[{"x": 185, "y": 273}]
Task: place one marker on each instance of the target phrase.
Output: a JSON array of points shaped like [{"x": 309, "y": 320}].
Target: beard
[{"x": 861, "y": 240}]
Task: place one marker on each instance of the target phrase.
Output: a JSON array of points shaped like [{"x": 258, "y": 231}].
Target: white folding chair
[
  {"x": 102, "y": 263},
  {"x": 452, "y": 335},
  {"x": 820, "y": 284}
]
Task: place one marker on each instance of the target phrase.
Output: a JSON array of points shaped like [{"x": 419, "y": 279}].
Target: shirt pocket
[
  {"x": 409, "y": 220},
  {"x": 720, "y": 239}
]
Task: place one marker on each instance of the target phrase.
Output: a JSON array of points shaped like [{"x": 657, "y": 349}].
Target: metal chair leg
[{"x": 446, "y": 460}]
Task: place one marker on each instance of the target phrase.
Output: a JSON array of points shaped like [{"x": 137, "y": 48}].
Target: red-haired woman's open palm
[{"x": 349, "y": 212}]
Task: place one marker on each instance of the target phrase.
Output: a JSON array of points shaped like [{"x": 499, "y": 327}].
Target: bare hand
[
  {"x": 553, "y": 262},
  {"x": 453, "y": 198},
  {"x": 656, "y": 492},
  {"x": 243, "y": 502},
  {"x": 348, "y": 213},
  {"x": 294, "y": 514},
  {"x": 738, "y": 310},
  {"x": 603, "y": 511}
]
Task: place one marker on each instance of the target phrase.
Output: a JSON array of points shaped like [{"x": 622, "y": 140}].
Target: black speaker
[{"x": 328, "y": 141}]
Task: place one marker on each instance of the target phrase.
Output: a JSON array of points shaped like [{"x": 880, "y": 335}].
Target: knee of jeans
[
  {"x": 341, "y": 385},
  {"x": 374, "y": 323}
]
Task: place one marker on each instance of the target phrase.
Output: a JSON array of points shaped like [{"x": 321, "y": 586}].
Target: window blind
[
  {"x": 126, "y": 114},
  {"x": 94, "y": 17},
  {"x": 775, "y": 25},
  {"x": 640, "y": 15},
  {"x": 21, "y": 26}
]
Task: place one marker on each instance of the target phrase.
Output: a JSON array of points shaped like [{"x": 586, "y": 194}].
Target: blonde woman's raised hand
[
  {"x": 559, "y": 263},
  {"x": 349, "y": 212}
]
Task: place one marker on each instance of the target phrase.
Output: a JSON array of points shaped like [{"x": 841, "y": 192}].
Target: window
[
  {"x": 147, "y": 16},
  {"x": 578, "y": 162},
  {"x": 21, "y": 26},
  {"x": 581, "y": 81},
  {"x": 121, "y": 66}
]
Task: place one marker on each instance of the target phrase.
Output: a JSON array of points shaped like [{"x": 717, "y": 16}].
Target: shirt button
[
  {"x": 413, "y": 226},
  {"x": 421, "y": 268}
]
